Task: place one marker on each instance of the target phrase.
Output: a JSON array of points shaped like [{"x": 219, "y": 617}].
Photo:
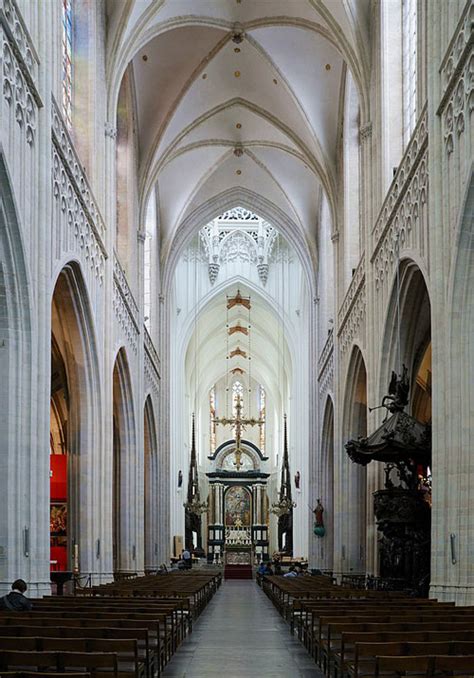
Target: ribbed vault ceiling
[{"x": 215, "y": 113}]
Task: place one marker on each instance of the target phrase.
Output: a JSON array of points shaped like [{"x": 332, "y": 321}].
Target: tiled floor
[{"x": 240, "y": 635}]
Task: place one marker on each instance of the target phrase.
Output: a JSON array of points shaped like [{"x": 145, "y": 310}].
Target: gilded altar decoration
[
  {"x": 240, "y": 425},
  {"x": 237, "y": 506}
]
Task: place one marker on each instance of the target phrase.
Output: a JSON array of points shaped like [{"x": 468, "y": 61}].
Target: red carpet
[{"x": 238, "y": 572}]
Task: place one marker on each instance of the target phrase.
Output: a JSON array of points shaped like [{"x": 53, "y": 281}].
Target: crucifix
[{"x": 240, "y": 425}]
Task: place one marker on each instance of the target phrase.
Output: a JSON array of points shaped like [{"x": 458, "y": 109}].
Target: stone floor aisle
[{"x": 240, "y": 635}]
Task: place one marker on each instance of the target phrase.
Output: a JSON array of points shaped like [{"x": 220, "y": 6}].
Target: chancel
[{"x": 236, "y": 327}]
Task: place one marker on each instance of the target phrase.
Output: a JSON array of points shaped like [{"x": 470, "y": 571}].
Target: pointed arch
[
  {"x": 17, "y": 451},
  {"x": 74, "y": 354},
  {"x": 226, "y": 201},
  {"x": 124, "y": 460},
  {"x": 327, "y": 466},
  {"x": 151, "y": 515},
  {"x": 413, "y": 346},
  {"x": 354, "y": 477}
]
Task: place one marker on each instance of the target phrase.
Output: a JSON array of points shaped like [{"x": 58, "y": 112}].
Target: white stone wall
[
  {"x": 56, "y": 215},
  {"x": 425, "y": 221},
  {"x": 58, "y": 209}
]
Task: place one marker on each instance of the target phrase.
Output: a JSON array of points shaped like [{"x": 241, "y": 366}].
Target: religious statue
[
  {"x": 318, "y": 527},
  {"x": 398, "y": 391},
  {"x": 297, "y": 480},
  {"x": 318, "y": 514}
]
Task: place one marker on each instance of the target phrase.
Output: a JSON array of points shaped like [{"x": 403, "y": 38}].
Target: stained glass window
[{"x": 67, "y": 61}]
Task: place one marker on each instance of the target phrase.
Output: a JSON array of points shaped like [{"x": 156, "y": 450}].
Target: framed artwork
[
  {"x": 58, "y": 519},
  {"x": 237, "y": 506}
]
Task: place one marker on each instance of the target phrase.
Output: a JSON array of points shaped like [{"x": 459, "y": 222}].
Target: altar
[
  {"x": 238, "y": 506},
  {"x": 238, "y": 561}
]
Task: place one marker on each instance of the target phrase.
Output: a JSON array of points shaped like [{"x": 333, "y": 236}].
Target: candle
[{"x": 76, "y": 557}]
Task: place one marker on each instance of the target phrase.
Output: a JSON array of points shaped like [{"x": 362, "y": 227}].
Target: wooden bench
[{"x": 97, "y": 664}]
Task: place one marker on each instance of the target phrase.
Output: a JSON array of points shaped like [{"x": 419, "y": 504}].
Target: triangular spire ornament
[
  {"x": 285, "y": 505},
  {"x": 194, "y": 504}
]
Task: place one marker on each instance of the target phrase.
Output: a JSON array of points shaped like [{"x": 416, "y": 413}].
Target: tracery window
[
  {"x": 409, "y": 67},
  {"x": 67, "y": 61},
  {"x": 212, "y": 416},
  {"x": 262, "y": 410}
]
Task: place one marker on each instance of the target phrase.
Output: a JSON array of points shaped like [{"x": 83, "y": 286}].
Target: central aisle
[{"x": 240, "y": 635}]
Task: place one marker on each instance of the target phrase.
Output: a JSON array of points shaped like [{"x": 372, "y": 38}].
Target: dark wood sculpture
[
  {"x": 402, "y": 509},
  {"x": 285, "y": 521}
]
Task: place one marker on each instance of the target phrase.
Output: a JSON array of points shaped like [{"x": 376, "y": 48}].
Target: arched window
[
  {"x": 409, "y": 67},
  {"x": 67, "y": 61}
]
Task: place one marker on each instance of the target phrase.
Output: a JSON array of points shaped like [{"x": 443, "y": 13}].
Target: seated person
[
  {"x": 291, "y": 572},
  {"x": 15, "y": 601},
  {"x": 277, "y": 565}
]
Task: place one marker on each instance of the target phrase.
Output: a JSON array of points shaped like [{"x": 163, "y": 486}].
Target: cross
[{"x": 240, "y": 425}]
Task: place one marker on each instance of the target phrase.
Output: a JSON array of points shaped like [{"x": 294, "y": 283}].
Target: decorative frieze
[
  {"x": 152, "y": 365},
  {"x": 353, "y": 309},
  {"x": 72, "y": 192},
  {"x": 401, "y": 223},
  {"x": 19, "y": 70},
  {"x": 457, "y": 80},
  {"x": 458, "y": 53},
  {"x": 414, "y": 154},
  {"x": 65, "y": 148},
  {"x": 152, "y": 353},
  {"x": 326, "y": 366},
  {"x": 125, "y": 307}
]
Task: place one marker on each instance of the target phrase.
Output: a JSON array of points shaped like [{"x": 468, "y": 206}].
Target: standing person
[
  {"x": 16, "y": 601},
  {"x": 188, "y": 560}
]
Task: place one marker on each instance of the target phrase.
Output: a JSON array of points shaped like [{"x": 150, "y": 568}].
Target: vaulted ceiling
[{"x": 239, "y": 93}]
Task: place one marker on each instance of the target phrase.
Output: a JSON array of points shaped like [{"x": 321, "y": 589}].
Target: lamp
[{"x": 282, "y": 507}]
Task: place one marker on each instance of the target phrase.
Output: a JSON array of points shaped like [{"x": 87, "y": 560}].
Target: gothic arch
[
  {"x": 415, "y": 326},
  {"x": 327, "y": 482},
  {"x": 354, "y": 477},
  {"x": 226, "y": 201},
  {"x": 151, "y": 515},
  {"x": 16, "y": 409},
  {"x": 124, "y": 462},
  {"x": 453, "y": 476},
  {"x": 73, "y": 344}
]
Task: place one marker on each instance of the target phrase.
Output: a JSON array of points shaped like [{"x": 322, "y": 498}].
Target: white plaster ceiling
[
  {"x": 208, "y": 345},
  {"x": 277, "y": 94}
]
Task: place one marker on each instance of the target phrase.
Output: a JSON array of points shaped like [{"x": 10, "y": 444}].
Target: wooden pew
[{"x": 97, "y": 664}]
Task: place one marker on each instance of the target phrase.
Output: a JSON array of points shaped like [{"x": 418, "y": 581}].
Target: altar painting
[{"x": 237, "y": 506}]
